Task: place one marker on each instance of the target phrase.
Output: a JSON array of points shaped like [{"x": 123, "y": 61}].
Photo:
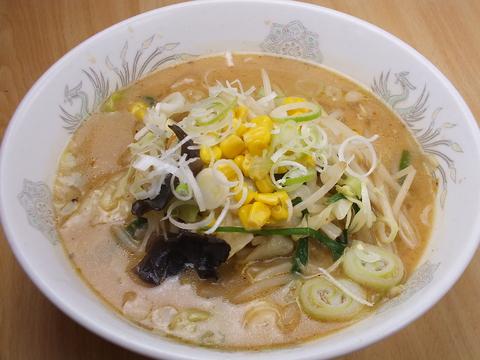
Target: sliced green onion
[
  {"x": 335, "y": 248},
  {"x": 300, "y": 258},
  {"x": 405, "y": 160},
  {"x": 299, "y": 179},
  {"x": 373, "y": 266},
  {"x": 182, "y": 189},
  {"x": 323, "y": 300},
  {"x": 281, "y": 113},
  {"x": 187, "y": 212}
]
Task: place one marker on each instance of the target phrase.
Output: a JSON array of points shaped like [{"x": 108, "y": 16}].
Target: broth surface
[{"x": 100, "y": 145}]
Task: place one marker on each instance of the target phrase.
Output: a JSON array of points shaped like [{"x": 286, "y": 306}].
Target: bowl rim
[{"x": 389, "y": 327}]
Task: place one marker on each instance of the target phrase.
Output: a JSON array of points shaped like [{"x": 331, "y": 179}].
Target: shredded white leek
[
  {"x": 170, "y": 104},
  {"x": 220, "y": 218},
  {"x": 368, "y": 144},
  {"x": 229, "y": 58},
  {"x": 335, "y": 171},
  {"x": 197, "y": 193},
  {"x": 242, "y": 199}
]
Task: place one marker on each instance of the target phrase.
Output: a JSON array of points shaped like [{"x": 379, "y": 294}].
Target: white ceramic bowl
[{"x": 79, "y": 81}]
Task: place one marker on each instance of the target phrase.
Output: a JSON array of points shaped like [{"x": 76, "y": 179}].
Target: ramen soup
[{"x": 244, "y": 201}]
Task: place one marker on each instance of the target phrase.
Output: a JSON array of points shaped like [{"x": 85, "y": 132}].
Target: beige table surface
[{"x": 36, "y": 33}]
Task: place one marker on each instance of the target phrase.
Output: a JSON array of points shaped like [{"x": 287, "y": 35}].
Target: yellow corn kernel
[
  {"x": 265, "y": 185},
  {"x": 239, "y": 159},
  {"x": 279, "y": 213},
  {"x": 246, "y": 164},
  {"x": 240, "y": 129},
  {"x": 244, "y": 213},
  {"x": 307, "y": 160},
  {"x": 227, "y": 171},
  {"x": 270, "y": 199},
  {"x": 240, "y": 113},
  {"x": 259, "y": 215},
  {"x": 138, "y": 109},
  {"x": 257, "y": 139},
  {"x": 293, "y": 99},
  {"x": 232, "y": 146},
  {"x": 217, "y": 152},
  {"x": 282, "y": 196},
  {"x": 250, "y": 195},
  {"x": 263, "y": 120},
  {"x": 206, "y": 153}
]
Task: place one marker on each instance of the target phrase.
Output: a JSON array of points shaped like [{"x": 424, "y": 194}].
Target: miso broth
[{"x": 92, "y": 192}]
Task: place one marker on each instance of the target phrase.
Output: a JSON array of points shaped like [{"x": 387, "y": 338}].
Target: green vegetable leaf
[
  {"x": 300, "y": 258},
  {"x": 150, "y": 100},
  {"x": 335, "y": 197},
  {"x": 355, "y": 208},
  {"x": 335, "y": 247},
  {"x": 405, "y": 160},
  {"x": 135, "y": 225},
  {"x": 296, "y": 200},
  {"x": 343, "y": 237}
]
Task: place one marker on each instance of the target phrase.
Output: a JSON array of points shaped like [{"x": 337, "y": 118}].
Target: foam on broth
[{"x": 100, "y": 147}]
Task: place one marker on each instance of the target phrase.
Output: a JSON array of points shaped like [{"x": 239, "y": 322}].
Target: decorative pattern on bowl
[
  {"x": 125, "y": 69},
  {"x": 293, "y": 39},
  {"x": 414, "y": 110},
  {"x": 36, "y": 199},
  {"x": 419, "y": 279}
]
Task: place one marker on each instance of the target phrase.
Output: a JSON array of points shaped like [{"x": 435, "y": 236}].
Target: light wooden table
[{"x": 34, "y": 34}]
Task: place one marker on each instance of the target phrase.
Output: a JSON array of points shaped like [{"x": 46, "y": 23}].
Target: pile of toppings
[{"x": 257, "y": 163}]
